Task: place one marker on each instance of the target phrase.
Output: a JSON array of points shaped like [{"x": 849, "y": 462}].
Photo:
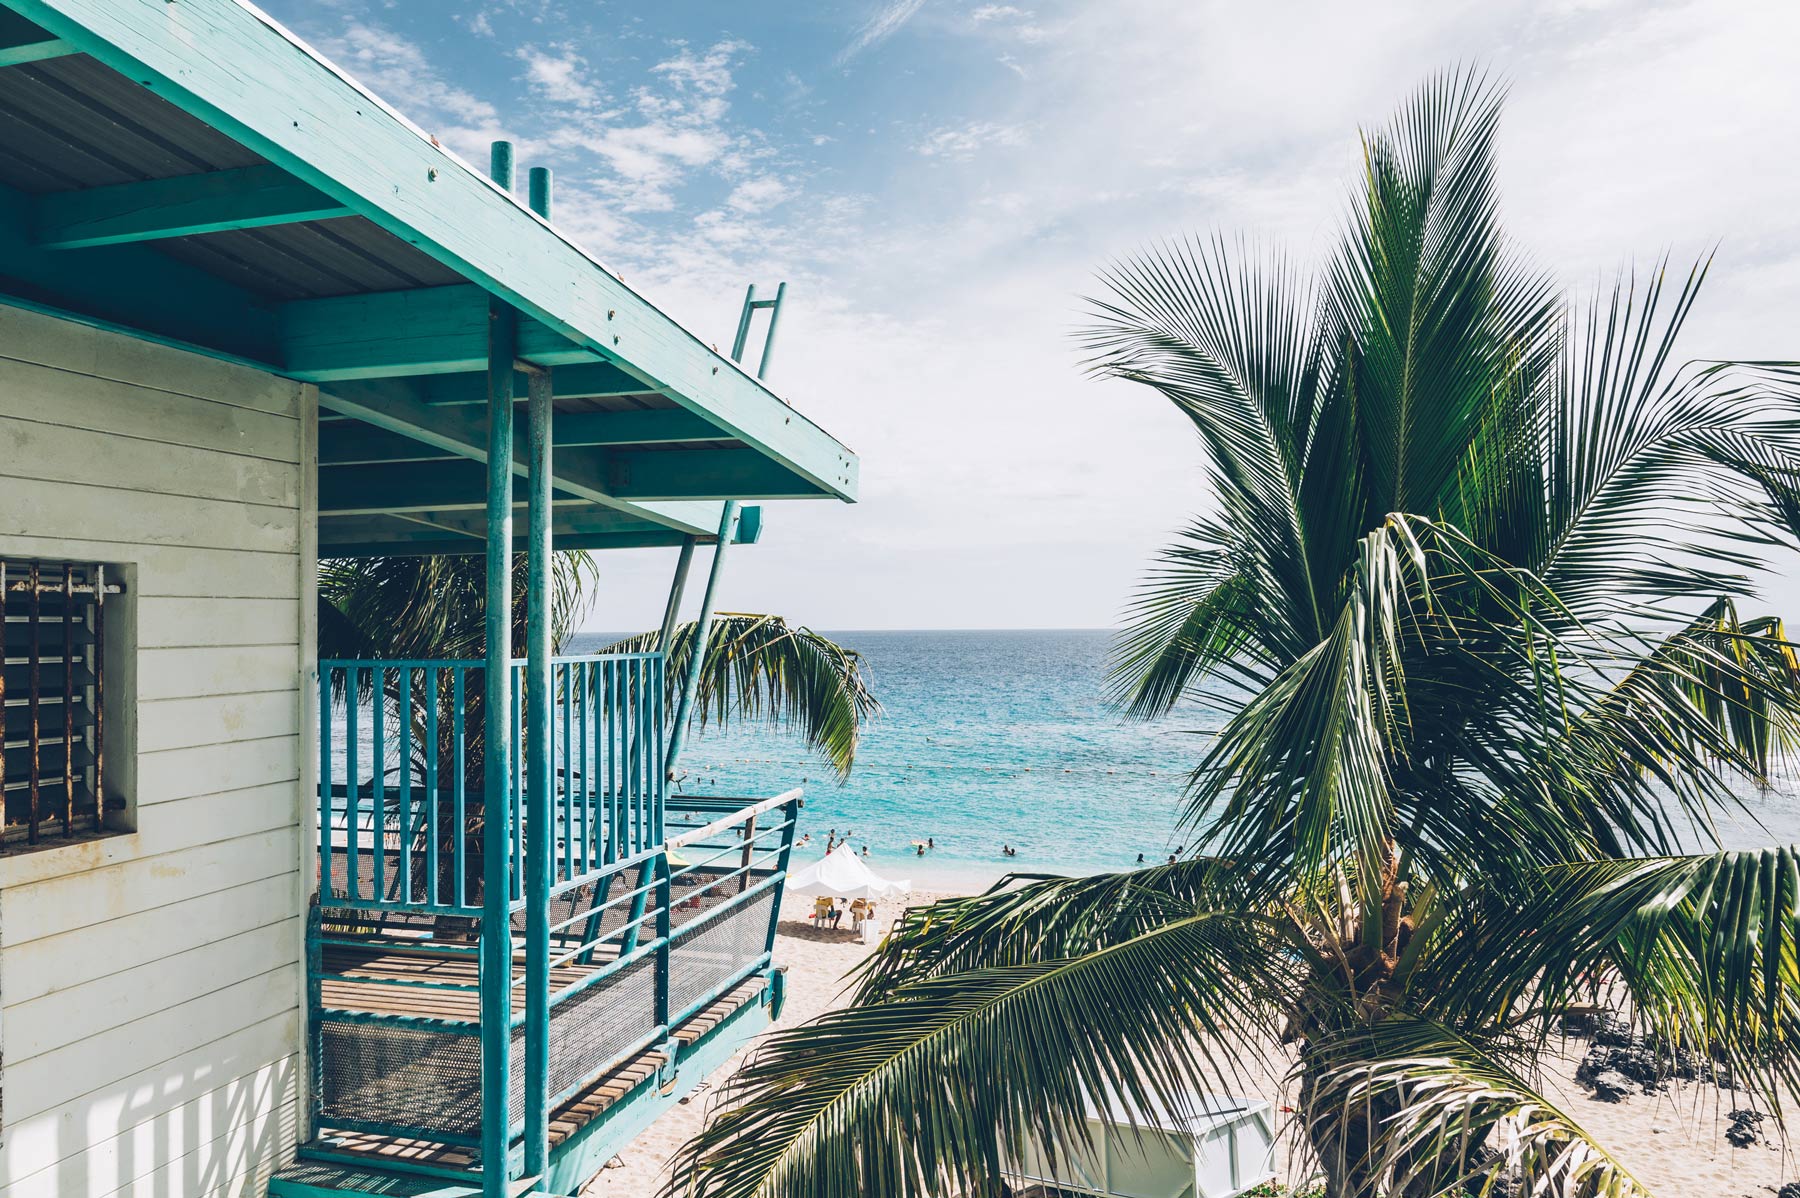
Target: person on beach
[
  {"x": 931, "y": 842},
  {"x": 837, "y": 916},
  {"x": 865, "y": 850},
  {"x": 921, "y": 850}
]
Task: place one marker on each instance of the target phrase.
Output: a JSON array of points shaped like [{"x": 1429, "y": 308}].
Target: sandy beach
[{"x": 1674, "y": 1142}]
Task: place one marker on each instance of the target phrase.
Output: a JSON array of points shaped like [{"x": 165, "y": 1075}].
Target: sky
[{"x": 939, "y": 180}]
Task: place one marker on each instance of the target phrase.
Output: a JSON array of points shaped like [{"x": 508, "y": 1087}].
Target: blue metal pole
[
  {"x": 743, "y": 329},
  {"x": 496, "y": 798},
  {"x": 676, "y": 588},
  {"x": 538, "y": 764},
  {"x": 690, "y": 685},
  {"x": 762, "y": 368}
]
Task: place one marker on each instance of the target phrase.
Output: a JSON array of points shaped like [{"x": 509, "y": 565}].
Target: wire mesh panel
[
  {"x": 704, "y": 959},
  {"x": 394, "y": 1075}
]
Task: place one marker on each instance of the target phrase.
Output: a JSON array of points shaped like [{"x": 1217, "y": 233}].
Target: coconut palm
[{"x": 1472, "y": 601}]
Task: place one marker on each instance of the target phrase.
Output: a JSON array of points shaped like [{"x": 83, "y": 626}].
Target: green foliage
[
  {"x": 758, "y": 668},
  {"x": 1471, "y": 599},
  {"x": 761, "y": 668}
]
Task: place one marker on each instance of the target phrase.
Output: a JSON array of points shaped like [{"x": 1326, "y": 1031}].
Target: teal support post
[
  {"x": 690, "y": 685},
  {"x": 676, "y": 588},
  {"x": 538, "y": 766},
  {"x": 539, "y": 692},
  {"x": 790, "y": 812},
  {"x": 500, "y": 164},
  {"x": 538, "y": 182},
  {"x": 496, "y": 842}
]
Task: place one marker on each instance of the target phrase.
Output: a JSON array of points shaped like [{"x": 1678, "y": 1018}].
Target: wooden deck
[
  {"x": 403, "y": 967},
  {"x": 384, "y": 979}
]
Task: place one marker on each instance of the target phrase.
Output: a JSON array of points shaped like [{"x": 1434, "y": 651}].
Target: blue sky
[{"x": 938, "y": 181}]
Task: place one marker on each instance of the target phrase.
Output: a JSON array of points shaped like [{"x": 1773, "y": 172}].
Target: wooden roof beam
[
  {"x": 344, "y": 443},
  {"x": 396, "y": 407},
  {"x": 251, "y": 198},
  {"x": 22, "y": 42}
]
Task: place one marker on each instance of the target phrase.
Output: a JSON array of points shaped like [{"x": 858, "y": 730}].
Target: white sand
[{"x": 1673, "y": 1142}]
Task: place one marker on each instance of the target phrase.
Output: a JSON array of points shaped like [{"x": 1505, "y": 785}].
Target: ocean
[{"x": 985, "y": 740}]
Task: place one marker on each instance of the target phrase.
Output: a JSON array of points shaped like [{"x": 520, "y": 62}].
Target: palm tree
[
  {"x": 1471, "y": 600},
  {"x": 758, "y": 668}
]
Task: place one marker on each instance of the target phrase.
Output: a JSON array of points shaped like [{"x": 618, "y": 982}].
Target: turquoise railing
[
  {"x": 648, "y": 925},
  {"x": 401, "y": 780}
]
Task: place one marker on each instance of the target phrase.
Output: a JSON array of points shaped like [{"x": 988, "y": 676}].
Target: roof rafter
[{"x": 249, "y": 198}]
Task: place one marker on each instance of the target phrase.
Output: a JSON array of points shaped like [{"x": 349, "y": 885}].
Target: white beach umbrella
[{"x": 842, "y": 874}]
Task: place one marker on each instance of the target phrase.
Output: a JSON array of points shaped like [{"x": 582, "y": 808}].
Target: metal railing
[
  {"x": 646, "y": 931},
  {"x": 401, "y": 794}
]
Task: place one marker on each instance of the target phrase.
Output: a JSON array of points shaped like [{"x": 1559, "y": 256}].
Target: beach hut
[
  {"x": 251, "y": 317},
  {"x": 1203, "y": 1146}
]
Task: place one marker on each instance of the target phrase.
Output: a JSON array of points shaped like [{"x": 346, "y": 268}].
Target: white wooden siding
[{"x": 150, "y": 983}]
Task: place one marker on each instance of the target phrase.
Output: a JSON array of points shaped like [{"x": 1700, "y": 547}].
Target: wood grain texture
[{"x": 151, "y": 1025}]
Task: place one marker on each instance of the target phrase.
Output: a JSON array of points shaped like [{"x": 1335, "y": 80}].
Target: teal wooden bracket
[
  {"x": 396, "y": 407},
  {"x": 461, "y": 547},
  {"x": 450, "y": 523},
  {"x": 660, "y": 427},
  {"x": 703, "y": 474},
  {"x": 228, "y": 65},
  {"x": 134, "y": 289},
  {"x": 670, "y": 1069},
  {"x": 44, "y": 48},
  {"x": 253, "y": 197},
  {"x": 578, "y": 380},
  {"x": 22, "y": 42},
  {"x": 750, "y": 524},
  {"x": 346, "y": 444},
  {"x": 429, "y": 330},
  {"x": 496, "y": 916}
]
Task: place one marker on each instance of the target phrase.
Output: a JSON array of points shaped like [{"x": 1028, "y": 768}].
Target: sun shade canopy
[{"x": 841, "y": 873}]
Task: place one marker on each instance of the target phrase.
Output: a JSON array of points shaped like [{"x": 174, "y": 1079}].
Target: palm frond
[
  {"x": 761, "y": 668},
  {"x": 1027, "y": 920},
  {"x": 935, "y": 1089},
  {"x": 1447, "y": 1116}
]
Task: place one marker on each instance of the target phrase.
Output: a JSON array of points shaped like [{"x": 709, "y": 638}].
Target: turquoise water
[
  {"x": 991, "y": 738},
  {"x": 986, "y": 738}
]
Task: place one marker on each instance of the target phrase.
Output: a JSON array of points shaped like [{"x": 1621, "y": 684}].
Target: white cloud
[
  {"x": 558, "y": 76},
  {"x": 401, "y": 73},
  {"x": 964, "y": 141},
  {"x": 885, "y": 23},
  {"x": 929, "y": 310},
  {"x": 758, "y": 195}
]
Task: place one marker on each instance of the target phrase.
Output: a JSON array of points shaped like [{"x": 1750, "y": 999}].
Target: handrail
[{"x": 737, "y": 817}]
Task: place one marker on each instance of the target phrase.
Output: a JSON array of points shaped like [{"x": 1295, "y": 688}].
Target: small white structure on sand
[
  {"x": 842, "y": 874},
  {"x": 1206, "y": 1146}
]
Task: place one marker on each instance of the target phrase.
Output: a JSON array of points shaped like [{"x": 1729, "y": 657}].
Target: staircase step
[{"x": 323, "y": 1179}]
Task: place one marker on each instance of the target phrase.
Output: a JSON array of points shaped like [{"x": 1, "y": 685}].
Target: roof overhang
[{"x": 260, "y": 205}]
